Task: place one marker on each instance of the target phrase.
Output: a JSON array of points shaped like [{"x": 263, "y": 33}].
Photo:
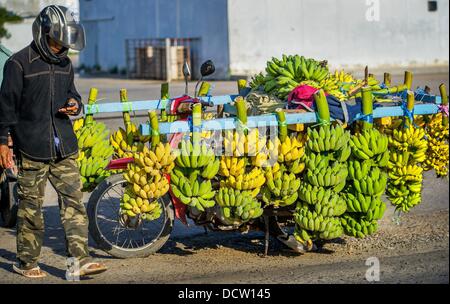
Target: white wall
[
  {"x": 337, "y": 30},
  {"x": 140, "y": 19}
]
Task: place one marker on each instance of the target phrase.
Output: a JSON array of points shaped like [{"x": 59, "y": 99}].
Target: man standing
[{"x": 36, "y": 97}]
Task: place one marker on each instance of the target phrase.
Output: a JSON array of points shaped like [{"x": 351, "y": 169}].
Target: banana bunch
[
  {"x": 232, "y": 166},
  {"x": 285, "y": 74},
  {"x": 238, "y": 205},
  {"x": 329, "y": 138},
  {"x": 324, "y": 201},
  {"x": 373, "y": 184},
  {"x": 239, "y": 144},
  {"x": 330, "y": 176},
  {"x": 410, "y": 139},
  {"x": 405, "y": 182},
  {"x": 146, "y": 185},
  {"x": 194, "y": 156},
  {"x": 438, "y": 150},
  {"x": 153, "y": 162},
  {"x": 253, "y": 180},
  {"x": 191, "y": 190},
  {"x": 291, "y": 150},
  {"x": 125, "y": 142},
  {"x": 368, "y": 144},
  {"x": 437, "y": 157},
  {"x": 281, "y": 188},
  {"x": 94, "y": 152},
  {"x": 315, "y": 224},
  {"x": 133, "y": 205},
  {"x": 358, "y": 227},
  {"x": 371, "y": 206}
]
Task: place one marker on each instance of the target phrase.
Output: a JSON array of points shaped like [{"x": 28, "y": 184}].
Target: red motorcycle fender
[
  {"x": 119, "y": 164},
  {"x": 180, "y": 208}
]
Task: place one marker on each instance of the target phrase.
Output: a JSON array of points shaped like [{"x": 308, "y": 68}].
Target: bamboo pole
[
  {"x": 408, "y": 80},
  {"x": 126, "y": 114},
  {"x": 91, "y": 101},
  {"x": 367, "y": 106},
  {"x": 387, "y": 79},
  {"x": 242, "y": 84},
  {"x": 322, "y": 106},
  {"x": 410, "y": 107},
  {"x": 444, "y": 97},
  {"x": 196, "y": 123},
  {"x": 154, "y": 125},
  {"x": 164, "y": 96},
  {"x": 282, "y": 134}
]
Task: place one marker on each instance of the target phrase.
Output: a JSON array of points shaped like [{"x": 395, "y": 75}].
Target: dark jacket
[{"x": 31, "y": 94}]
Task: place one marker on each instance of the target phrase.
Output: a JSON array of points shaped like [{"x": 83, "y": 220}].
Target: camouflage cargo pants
[{"x": 64, "y": 177}]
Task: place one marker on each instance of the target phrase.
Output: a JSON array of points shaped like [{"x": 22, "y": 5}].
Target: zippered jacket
[{"x": 31, "y": 94}]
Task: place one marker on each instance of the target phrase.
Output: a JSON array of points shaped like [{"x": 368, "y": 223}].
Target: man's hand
[
  {"x": 71, "y": 107},
  {"x": 6, "y": 157}
]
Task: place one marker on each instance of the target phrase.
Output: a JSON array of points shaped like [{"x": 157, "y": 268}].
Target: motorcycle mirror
[
  {"x": 186, "y": 70},
  {"x": 207, "y": 68}
]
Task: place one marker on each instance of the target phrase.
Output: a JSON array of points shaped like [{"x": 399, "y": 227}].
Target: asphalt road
[{"x": 414, "y": 252}]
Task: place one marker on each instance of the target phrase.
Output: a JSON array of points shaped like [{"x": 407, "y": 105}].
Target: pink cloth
[
  {"x": 302, "y": 93},
  {"x": 443, "y": 109}
]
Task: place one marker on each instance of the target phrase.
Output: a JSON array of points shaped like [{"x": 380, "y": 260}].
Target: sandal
[
  {"x": 33, "y": 273},
  {"x": 92, "y": 268}
]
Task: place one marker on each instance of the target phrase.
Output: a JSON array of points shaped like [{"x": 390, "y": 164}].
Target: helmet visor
[{"x": 70, "y": 36}]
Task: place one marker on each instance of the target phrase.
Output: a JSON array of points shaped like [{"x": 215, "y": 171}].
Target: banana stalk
[
  {"x": 367, "y": 106},
  {"x": 126, "y": 114},
  {"x": 322, "y": 106},
  {"x": 410, "y": 106},
  {"x": 91, "y": 101},
  {"x": 196, "y": 123},
  {"x": 242, "y": 84},
  {"x": 387, "y": 79},
  {"x": 408, "y": 80}
]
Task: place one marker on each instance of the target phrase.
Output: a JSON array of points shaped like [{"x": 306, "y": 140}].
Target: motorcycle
[{"x": 125, "y": 237}]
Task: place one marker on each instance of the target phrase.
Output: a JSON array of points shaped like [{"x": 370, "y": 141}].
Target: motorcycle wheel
[{"x": 124, "y": 237}]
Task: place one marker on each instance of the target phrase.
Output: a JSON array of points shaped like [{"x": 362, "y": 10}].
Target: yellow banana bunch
[
  {"x": 147, "y": 186},
  {"x": 438, "y": 150},
  {"x": 152, "y": 162},
  {"x": 134, "y": 205},
  {"x": 412, "y": 140},
  {"x": 124, "y": 144},
  {"x": 253, "y": 180},
  {"x": 238, "y": 144},
  {"x": 291, "y": 150},
  {"x": 405, "y": 181},
  {"x": 232, "y": 166},
  {"x": 78, "y": 124}
]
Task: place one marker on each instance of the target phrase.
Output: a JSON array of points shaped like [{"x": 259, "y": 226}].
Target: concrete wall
[
  {"x": 109, "y": 23},
  {"x": 337, "y": 30}
]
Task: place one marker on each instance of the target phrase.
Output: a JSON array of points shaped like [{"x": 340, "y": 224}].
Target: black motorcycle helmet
[{"x": 57, "y": 23}]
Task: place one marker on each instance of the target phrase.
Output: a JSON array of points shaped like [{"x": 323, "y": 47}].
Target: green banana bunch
[
  {"x": 373, "y": 183},
  {"x": 330, "y": 176},
  {"x": 238, "y": 205},
  {"x": 358, "y": 227},
  {"x": 94, "y": 152},
  {"x": 323, "y": 201},
  {"x": 324, "y": 227},
  {"x": 284, "y": 74},
  {"x": 368, "y": 144},
  {"x": 281, "y": 187},
  {"x": 372, "y": 207},
  {"x": 191, "y": 190},
  {"x": 329, "y": 138},
  {"x": 197, "y": 156}
]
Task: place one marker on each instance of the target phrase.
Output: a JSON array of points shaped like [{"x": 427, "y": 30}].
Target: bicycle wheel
[{"x": 120, "y": 236}]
